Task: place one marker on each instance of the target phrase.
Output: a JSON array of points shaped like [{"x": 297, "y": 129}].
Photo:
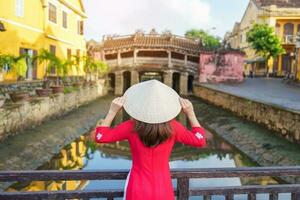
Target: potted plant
[
  {"x": 76, "y": 63},
  {"x": 61, "y": 68},
  {"x": 48, "y": 59},
  {"x": 52, "y": 63},
  {"x": 87, "y": 67},
  {"x": 92, "y": 67}
]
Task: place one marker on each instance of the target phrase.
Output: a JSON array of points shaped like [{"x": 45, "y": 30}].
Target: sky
[{"x": 123, "y": 17}]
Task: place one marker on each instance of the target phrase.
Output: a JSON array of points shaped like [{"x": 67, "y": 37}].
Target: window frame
[
  {"x": 49, "y": 13},
  {"x": 64, "y": 20},
  {"x": 19, "y": 6},
  {"x": 80, "y": 27}
]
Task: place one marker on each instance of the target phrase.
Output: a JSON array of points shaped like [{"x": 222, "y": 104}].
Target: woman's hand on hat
[
  {"x": 117, "y": 104},
  {"x": 187, "y": 106},
  {"x": 188, "y": 109}
]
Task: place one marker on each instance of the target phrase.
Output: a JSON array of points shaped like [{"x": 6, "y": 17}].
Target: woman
[{"x": 151, "y": 133}]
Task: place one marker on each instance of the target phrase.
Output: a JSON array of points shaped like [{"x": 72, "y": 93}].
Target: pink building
[{"x": 221, "y": 66}]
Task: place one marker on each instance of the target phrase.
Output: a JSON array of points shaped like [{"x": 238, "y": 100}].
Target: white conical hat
[{"x": 152, "y": 102}]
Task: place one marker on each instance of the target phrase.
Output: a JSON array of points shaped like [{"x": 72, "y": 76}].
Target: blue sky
[{"x": 125, "y": 16}]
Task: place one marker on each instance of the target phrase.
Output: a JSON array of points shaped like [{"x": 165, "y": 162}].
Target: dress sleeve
[
  {"x": 194, "y": 137},
  {"x": 105, "y": 134}
]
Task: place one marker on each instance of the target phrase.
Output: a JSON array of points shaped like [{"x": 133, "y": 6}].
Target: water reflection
[{"x": 81, "y": 154}]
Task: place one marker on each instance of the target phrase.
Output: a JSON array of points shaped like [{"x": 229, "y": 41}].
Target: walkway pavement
[{"x": 266, "y": 90}]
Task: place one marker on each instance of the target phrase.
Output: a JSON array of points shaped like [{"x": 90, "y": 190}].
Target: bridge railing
[{"x": 183, "y": 191}]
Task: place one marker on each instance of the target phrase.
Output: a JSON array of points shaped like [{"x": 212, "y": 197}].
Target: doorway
[
  {"x": 31, "y": 72},
  {"x": 126, "y": 80},
  {"x": 176, "y": 82}
]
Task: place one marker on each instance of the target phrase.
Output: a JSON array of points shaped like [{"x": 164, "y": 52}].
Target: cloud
[{"x": 126, "y": 16}]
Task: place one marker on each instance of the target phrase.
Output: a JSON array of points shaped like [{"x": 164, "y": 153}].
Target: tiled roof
[
  {"x": 150, "y": 41},
  {"x": 279, "y": 3}
]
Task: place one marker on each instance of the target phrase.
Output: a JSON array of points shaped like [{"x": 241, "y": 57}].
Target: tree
[
  {"x": 207, "y": 39},
  {"x": 264, "y": 41}
]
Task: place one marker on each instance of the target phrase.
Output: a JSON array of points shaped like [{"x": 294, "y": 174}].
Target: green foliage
[
  {"x": 264, "y": 41},
  {"x": 91, "y": 66},
  {"x": 207, "y": 39},
  {"x": 15, "y": 63},
  {"x": 53, "y": 62},
  {"x": 70, "y": 89},
  {"x": 7, "y": 60},
  {"x": 20, "y": 67},
  {"x": 63, "y": 66}
]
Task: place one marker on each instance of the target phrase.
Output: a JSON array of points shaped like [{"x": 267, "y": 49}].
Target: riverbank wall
[
  {"x": 16, "y": 117},
  {"x": 283, "y": 122}
]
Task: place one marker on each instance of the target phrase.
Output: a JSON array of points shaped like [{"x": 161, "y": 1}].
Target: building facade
[
  {"x": 32, "y": 25},
  {"x": 284, "y": 17},
  {"x": 138, "y": 57}
]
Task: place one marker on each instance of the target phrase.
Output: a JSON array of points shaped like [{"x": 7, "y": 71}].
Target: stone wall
[
  {"x": 16, "y": 117},
  {"x": 30, "y": 86},
  {"x": 283, "y": 122}
]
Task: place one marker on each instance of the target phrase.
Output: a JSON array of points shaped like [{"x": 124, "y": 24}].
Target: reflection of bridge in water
[
  {"x": 138, "y": 57},
  {"x": 77, "y": 155}
]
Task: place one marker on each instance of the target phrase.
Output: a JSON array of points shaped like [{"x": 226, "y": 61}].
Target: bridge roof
[{"x": 153, "y": 41}]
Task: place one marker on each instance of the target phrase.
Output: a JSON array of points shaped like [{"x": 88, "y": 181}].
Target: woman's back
[
  {"x": 150, "y": 174},
  {"x": 151, "y": 134}
]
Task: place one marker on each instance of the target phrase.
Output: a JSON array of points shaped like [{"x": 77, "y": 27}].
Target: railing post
[
  {"x": 183, "y": 188},
  {"x": 251, "y": 196},
  {"x": 207, "y": 197},
  {"x": 273, "y": 196},
  {"x": 229, "y": 197},
  {"x": 296, "y": 196}
]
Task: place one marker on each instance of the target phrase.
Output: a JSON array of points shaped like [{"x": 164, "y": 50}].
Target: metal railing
[
  {"x": 289, "y": 39},
  {"x": 183, "y": 191}
]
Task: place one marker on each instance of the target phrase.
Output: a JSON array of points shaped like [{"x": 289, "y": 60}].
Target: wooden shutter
[
  {"x": 52, "y": 13},
  {"x": 34, "y": 65},
  {"x": 65, "y": 19},
  {"x": 53, "y": 51}
]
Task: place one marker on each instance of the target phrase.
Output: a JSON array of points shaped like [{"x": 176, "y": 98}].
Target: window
[
  {"x": 53, "y": 51},
  {"x": 277, "y": 29},
  {"x": 80, "y": 27},
  {"x": 20, "y": 8},
  {"x": 289, "y": 29},
  {"x": 64, "y": 19},
  {"x": 69, "y": 54},
  {"x": 52, "y": 13},
  {"x": 288, "y": 33},
  {"x": 77, "y": 55}
]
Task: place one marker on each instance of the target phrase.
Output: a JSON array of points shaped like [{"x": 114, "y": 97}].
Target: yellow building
[
  {"x": 32, "y": 25},
  {"x": 285, "y": 18}
]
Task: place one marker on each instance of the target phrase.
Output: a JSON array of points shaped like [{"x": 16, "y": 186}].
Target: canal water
[{"x": 81, "y": 154}]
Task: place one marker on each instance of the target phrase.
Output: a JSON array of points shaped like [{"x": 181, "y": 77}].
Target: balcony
[{"x": 289, "y": 39}]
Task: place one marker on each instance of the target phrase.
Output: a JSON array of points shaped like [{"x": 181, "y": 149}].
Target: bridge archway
[
  {"x": 126, "y": 80},
  {"x": 111, "y": 82},
  {"x": 190, "y": 83},
  {"x": 149, "y": 75},
  {"x": 176, "y": 82}
]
